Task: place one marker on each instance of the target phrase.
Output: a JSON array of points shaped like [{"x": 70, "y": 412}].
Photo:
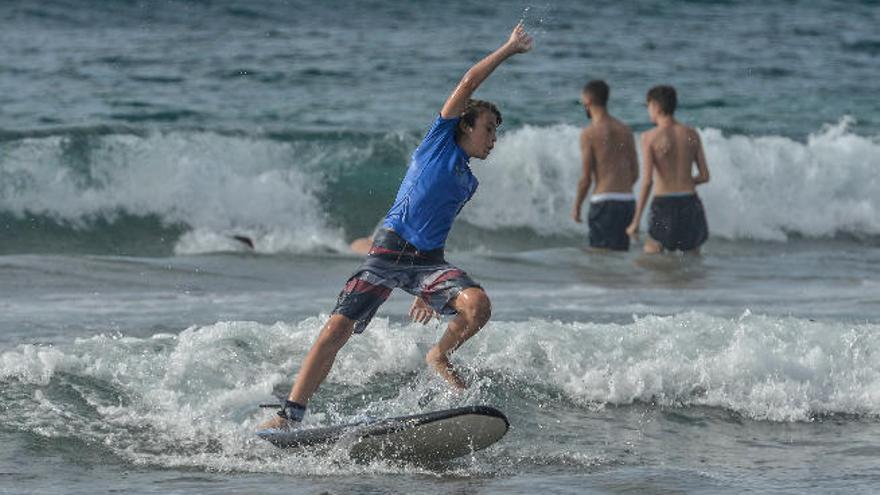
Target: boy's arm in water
[
  {"x": 633, "y": 160},
  {"x": 519, "y": 42},
  {"x": 586, "y": 175},
  {"x": 421, "y": 312},
  {"x": 700, "y": 157},
  {"x": 647, "y": 183}
]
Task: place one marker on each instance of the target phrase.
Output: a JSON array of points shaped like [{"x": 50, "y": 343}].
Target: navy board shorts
[
  {"x": 608, "y": 220},
  {"x": 678, "y": 222},
  {"x": 395, "y": 263}
]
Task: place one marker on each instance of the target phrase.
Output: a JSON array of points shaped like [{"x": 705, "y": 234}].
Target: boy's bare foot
[
  {"x": 441, "y": 365},
  {"x": 279, "y": 423}
]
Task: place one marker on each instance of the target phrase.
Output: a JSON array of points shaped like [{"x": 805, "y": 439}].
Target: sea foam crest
[
  {"x": 217, "y": 185},
  {"x": 763, "y": 188},
  {"x": 764, "y": 367},
  {"x": 190, "y": 399}
]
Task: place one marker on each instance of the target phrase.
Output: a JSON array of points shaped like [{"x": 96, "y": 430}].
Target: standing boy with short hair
[
  {"x": 407, "y": 252},
  {"x": 608, "y": 156},
  {"x": 669, "y": 152}
]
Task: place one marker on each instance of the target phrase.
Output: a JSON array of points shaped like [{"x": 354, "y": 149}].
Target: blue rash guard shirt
[{"x": 437, "y": 185}]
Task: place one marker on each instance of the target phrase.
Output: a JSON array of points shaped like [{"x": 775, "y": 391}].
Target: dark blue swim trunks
[
  {"x": 395, "y": 263},
  {"x": 678, "y": 221},
  {"x": 608, "y": 220}
]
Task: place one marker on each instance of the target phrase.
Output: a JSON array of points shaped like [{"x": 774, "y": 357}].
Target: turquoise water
[{"x": 137, "y": 337}]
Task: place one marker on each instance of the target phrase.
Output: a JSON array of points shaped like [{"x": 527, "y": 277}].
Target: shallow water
[
  {"x": 617, "y": 372},
  {"x": 137, "y": 336}
]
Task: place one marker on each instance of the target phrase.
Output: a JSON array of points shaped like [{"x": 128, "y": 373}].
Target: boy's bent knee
[{"x": 474, "y": 306}]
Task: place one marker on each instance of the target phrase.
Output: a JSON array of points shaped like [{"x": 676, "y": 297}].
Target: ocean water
[{"x": 137, "y": 336}]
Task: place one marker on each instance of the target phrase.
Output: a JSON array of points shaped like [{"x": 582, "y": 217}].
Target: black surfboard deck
[{"x": 433, "y": 436}]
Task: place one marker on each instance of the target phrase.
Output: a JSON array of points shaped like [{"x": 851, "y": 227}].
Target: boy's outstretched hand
[{"x": 520, "y": 41}]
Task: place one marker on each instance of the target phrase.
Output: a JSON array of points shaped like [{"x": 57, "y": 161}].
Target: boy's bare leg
[
  {"x": 474, "y": 309},
  {"x": 320, "y": 358},
  {"x": 652, "y": 246},
  {"x": 317, "y": 363}
]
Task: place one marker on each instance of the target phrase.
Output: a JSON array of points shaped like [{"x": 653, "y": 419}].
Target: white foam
[
  {"x": 189, "y": 400},
  {"x": 32, "y": 364},
  {"x": 528, "y": 181},
  {"x": 766, "y": 368},
  {"x": 762, "y": 187},
  {"x": 219, "y": 185}
]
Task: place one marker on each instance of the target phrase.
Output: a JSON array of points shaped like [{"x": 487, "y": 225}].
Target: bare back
[
  {"x": 674, "y": 150},
  {"x": 614, "y": 161}
]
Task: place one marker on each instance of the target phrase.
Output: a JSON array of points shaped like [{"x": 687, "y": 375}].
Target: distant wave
[
  {"x": 212, "y": 183},
  {"x": 306, "y": 192},
  {"x": 764, "y": 188}
]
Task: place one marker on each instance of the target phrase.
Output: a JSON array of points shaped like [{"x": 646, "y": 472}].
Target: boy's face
[
  {"x": 653, "y": 110},
  {"x": 480, "y": 139},
  {"x": 585, "y": 99}
]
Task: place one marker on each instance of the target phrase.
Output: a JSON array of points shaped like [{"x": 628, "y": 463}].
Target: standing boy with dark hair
[
  {"x": 608, "y": 155},
  {"x": 669, "y": 152},
  {"x": 407, "y": 252}
]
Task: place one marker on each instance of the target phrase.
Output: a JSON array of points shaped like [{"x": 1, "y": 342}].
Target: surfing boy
[
  {"x": 407, "y": 252},
  {"x": 669, "y": 151},
  {"x": 608, "y": 156}
]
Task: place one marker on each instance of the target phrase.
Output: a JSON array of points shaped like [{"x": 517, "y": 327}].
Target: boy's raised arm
[{"x": 519, "y": 42}]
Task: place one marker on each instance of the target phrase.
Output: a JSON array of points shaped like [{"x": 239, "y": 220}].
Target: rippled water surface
[{"x": 137, "y": 336}]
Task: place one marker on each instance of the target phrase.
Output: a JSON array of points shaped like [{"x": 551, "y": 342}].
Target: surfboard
[{"x": 433, "y": 436}]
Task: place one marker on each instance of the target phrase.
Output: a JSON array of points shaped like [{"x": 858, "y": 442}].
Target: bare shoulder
[
  {"x": 621, "y": 127},
  {"x": 649, "y": 136},
  {"x": 587, "y": 134},
  {"x": 693, "y": 137}
]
